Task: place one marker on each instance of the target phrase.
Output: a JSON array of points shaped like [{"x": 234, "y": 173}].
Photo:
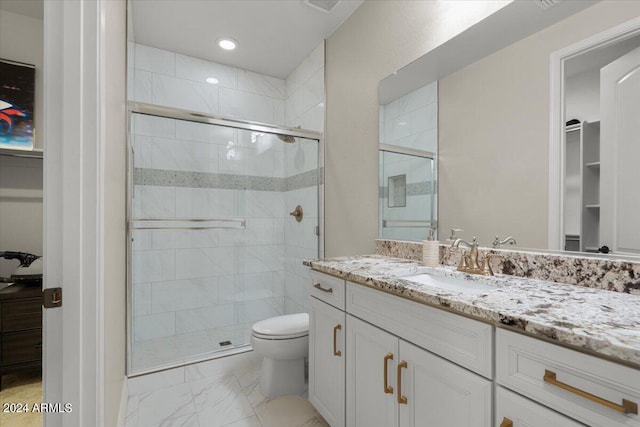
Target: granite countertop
[{"x": 598, "y": 321}]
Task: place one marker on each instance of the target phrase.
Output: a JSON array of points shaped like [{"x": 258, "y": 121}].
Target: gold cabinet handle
[
  {"x": 401, "y": 399},
  {"x": 336, "y": 352},
  {"x": 319, "y": 286},
  {"x": 506, "y": 422},
  {"x": 387, "y": 388},
  {"x": 627, "y": 406}
]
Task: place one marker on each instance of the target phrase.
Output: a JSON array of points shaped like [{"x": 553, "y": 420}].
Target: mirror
[
  {"x": 408, "y": 148},
  {"x": 496, "y": 172}
]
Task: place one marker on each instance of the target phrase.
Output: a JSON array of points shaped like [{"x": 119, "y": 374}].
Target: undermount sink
[{"x": 450, "y": 283}]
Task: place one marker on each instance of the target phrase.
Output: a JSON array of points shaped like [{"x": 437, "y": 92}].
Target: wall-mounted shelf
[
  {"x": 595, "y": 165},
  {"x": 592, "y": 206},
  {"x": 36, "y": 153}
]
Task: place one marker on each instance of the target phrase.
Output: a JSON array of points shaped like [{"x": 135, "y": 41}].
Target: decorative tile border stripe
[
  {"x": 169, "y": 178},
  {"x": 413, "y": 189},
  {"x": 608, "y": 274}
]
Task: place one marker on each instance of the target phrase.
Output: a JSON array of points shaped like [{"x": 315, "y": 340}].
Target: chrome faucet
[{"x": 497, "y": 242}]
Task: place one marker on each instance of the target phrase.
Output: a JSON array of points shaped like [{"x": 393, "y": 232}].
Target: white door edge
[{"x": 73, "y": 368}]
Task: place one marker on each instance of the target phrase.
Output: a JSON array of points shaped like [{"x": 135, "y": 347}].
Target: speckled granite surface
[
  {"x": 610, "y": 274},
  {"x": 596, "y": 320}
]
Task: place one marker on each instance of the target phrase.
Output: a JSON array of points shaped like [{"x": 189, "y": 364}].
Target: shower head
[{"x": 287, "y": 138}]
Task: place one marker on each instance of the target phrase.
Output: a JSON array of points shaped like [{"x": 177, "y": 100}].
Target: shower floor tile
[
  {"x": 178, "y": 348},
  {"x": 228, "y": 400}
]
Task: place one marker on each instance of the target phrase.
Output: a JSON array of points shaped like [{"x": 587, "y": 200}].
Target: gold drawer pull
[
  {"x": 401, "y": 399},
  {"x": 506, "y": 422},
  {"x": 627, "y": 406},
  {"x": 336, "y": 352},
  {"x": 319, "y": 286},
  {"x": 387, "y": 388}
]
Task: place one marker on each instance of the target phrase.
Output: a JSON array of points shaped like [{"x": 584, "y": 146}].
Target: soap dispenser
[{"x": 430, "y": 251}]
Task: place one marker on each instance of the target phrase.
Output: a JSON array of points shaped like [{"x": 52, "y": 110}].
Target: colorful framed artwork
[{"x": 17, "y": 99}]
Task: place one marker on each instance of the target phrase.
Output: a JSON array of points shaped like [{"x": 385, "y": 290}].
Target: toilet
[{"x": 283, "y": 341}]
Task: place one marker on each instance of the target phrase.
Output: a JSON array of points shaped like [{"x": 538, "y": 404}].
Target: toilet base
[{"x": 281, "y": 377}]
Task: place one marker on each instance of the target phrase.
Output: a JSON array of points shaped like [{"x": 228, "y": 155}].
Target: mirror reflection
[
  {"x": 496, "y": 168},
  {"x": 408, "y": 148}
]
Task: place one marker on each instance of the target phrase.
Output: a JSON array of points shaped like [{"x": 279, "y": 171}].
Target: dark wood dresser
[{"x": 20, "y": 328}]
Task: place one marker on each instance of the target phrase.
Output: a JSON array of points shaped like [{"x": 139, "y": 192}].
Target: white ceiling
[
  {"x": 274, "y": 36},
  {"x": 32, "y": 8}
]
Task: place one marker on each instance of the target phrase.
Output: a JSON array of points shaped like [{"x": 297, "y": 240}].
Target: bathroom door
[{"x": 619, "y": 154}]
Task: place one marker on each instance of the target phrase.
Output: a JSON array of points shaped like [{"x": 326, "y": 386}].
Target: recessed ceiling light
[
  {"x": 212, "y": 80},
  {"x": 227, "y": 43}
]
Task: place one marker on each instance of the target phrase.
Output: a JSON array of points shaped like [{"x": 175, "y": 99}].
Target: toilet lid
[{"x": 280, "y": 326}]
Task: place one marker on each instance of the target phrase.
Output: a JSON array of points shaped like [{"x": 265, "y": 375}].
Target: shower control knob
[{"x": 297, "y": 213}]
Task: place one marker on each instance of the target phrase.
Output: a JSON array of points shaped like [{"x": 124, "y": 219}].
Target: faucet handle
[
  {"x": 464, "y": 264},
  {"x": 486, "y": 265},
  {"x": 453, "y": 233}
]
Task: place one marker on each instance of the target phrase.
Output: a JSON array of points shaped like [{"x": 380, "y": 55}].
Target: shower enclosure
[{"x": 213, "y": 246}]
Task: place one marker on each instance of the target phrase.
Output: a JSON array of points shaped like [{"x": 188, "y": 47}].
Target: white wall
[
  {"x": 21, "y": 215},
  {"x": 379, "y": 38},
  {"x": 21, "y": 41},
  {"x": 494, "y": 132}
]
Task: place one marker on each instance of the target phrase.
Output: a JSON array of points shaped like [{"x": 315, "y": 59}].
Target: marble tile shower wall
[
  {"x": 412, "y": 120},
  {"x": 166, "y": 78},
  {"x": 304, "y": 106},
  {"x": 419, "y": 188}
]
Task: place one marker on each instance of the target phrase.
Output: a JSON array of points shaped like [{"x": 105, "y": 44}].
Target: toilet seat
[
  {"x": 285, "y": 327},
  {"x": 280, "y": 337}
]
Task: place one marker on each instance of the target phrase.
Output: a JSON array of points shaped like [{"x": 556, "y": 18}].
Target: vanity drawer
[
  {"x": 464, "y": 341},
  {"x": 327, "y": 288},
  {"x": 526, "y": 413},
  {"x": 584, "y": 387}
]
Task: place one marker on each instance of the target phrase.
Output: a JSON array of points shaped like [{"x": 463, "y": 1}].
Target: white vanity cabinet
[
  {"x": 513, "y": 410},
  {"x": 380, "y": 360},
  {"x": 391, "y": 382},
  {"x": 588, "y": 389},
  {"x": 327, "y": 350}
]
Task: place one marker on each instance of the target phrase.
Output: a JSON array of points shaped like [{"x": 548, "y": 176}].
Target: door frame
[
  {"x": 78, "y": 107},
  {"x": 557, "y": 135}
]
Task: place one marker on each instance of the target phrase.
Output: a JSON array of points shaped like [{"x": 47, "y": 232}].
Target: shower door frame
[{"x": 194, "y": 116}]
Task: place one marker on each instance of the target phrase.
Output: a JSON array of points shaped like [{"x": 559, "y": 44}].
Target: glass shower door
[{"x": 212, "y": 242}]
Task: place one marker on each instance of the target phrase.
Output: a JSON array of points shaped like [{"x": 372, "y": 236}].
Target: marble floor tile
[
  {"x": 289, "y": 411},
  {"x": 231, "y": 399},
  {"x": 165, "y": 404},
  {"x": 246, "y": 422},
  {"x": 220, "y": 401},
  {"x": 189, "y": 420}
]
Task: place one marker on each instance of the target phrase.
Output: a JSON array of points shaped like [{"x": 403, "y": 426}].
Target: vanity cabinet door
[
  {"x": 327, "y": 361},
  {"x": 513, "y": 410},
  {"x": 371, "y": 375},
  {"x": 439, "y": 393}
]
